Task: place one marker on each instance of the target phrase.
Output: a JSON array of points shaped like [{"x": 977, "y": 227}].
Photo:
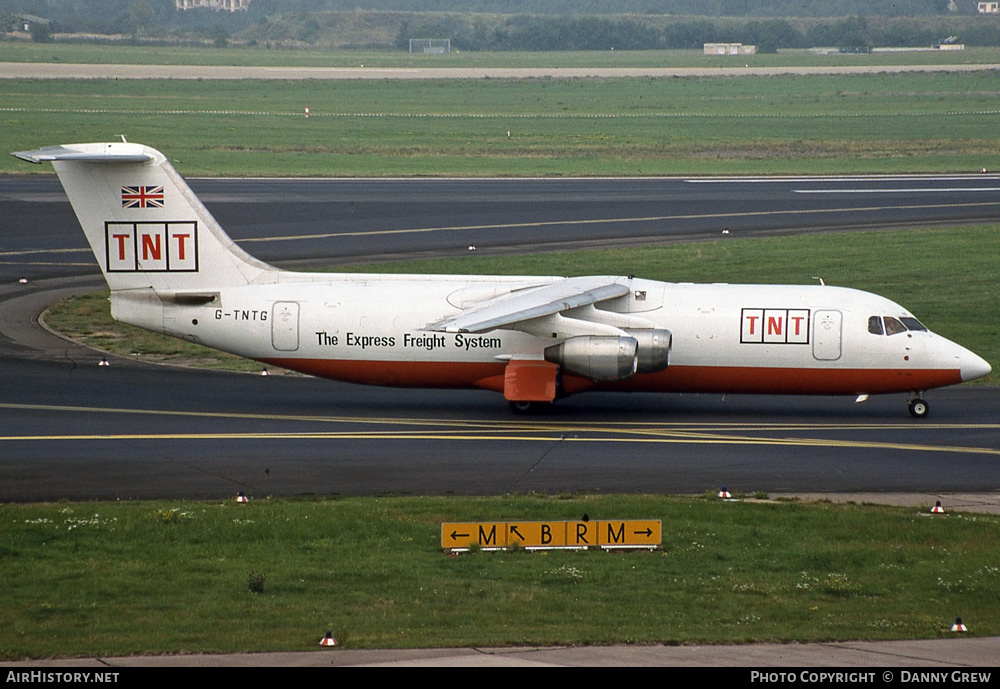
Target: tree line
[
  {"x": 630, "y": 33},
  {"x": 497, "y": 25},
  {"x": 705, "y": 8}
]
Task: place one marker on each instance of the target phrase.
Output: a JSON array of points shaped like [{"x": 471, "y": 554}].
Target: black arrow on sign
[
  {"x": 455, "y": 534},
  {"x": 648, "y": 532},
  {"x": 517, "y": 533}
]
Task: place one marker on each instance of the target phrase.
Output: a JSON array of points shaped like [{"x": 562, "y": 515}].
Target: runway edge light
[
  {"x": 242, "y": 498},
  {"x": 958, "y": 626},
  {"x": 937, "y": 509},
  {"x": 725, "y": 494},
  {"x": 328, "y": 640}
]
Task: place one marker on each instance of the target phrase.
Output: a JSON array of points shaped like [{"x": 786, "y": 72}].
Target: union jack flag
[{"x": 142, "y": 197}]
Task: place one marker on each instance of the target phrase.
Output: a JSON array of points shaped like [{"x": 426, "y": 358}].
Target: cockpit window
[{"x": 893, "y": 326}]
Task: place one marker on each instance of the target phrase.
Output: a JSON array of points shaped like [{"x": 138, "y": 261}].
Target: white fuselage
[{"x": 726, "y": 338}]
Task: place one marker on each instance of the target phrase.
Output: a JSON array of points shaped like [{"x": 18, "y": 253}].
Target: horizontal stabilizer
[{"x": 88, "y": 153}]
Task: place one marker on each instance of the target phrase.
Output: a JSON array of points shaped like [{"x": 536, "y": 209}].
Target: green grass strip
[
  {"x": 919, "y": 122},
  {"x": 86, "y": 579}
]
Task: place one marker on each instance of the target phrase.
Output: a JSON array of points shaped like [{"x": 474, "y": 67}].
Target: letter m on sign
[
  {"x": 151, "y": 247},
  {"x": 487, "y": 538}
]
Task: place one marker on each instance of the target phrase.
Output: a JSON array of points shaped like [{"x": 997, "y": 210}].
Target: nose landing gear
[{"x": 918, "y": 408}]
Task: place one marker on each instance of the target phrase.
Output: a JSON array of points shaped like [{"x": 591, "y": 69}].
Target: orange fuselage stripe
[{"x": 718, "y": 379}]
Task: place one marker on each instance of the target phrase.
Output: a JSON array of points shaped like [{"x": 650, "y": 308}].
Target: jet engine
[
  {"x": 601, "y": 359},
  {"x": 654, "y": 349}
]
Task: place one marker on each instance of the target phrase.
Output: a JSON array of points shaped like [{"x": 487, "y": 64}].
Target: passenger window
[
  {"x": 875, "y": 325},
  {"x": 913, "y": 324},
  {"x": 893, "y": 327}
]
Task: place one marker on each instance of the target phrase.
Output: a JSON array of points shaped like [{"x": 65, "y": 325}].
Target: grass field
[
  {"x": 918, "y": 122},
  {"x": 97, "y": 579}
]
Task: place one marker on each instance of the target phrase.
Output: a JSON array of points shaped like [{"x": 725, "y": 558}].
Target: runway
[
  {"x": 73, "y": 430},
  {"x": 78, "y": 431},
  {"x": 324, "y": 221},
  {"x": 26, "y": 70}
]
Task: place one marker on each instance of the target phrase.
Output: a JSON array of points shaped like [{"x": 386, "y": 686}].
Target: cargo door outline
[
  {"x": 827, "y": 334},
  {"x": 285, "y": 326}
]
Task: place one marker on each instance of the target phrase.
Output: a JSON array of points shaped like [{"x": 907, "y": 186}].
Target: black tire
[
  {"x": 524, "y": 408},
  {"x": 918, "y": 408}
]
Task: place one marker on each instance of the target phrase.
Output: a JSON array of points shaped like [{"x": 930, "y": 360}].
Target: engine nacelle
[
  {"x": 601, "y": 359},
  {"x": 654, "y": 349}
]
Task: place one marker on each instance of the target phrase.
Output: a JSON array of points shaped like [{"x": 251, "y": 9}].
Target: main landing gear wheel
[
  {"x": 525, "y": 408},
  {"x": 918, "y": 408}
]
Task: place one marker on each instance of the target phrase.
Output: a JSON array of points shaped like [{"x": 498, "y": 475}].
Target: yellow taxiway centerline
[{"x": 514, "y": 430}]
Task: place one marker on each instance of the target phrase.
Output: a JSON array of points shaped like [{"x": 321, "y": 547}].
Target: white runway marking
[{"x": 915, "y": 190}]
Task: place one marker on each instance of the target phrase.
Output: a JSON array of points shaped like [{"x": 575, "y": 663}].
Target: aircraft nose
[{"x": 974, "y": 366}]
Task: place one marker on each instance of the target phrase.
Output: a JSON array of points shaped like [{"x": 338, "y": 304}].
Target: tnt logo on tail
[{"x": 151, "y": 247}]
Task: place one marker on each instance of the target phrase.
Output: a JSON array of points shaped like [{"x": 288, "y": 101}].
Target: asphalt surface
[
  {"x": 72, "y": 429},
  {"x": 960, "y": 653},
  {"x": 774, "y": 444},
  {"x": 323, "y": 221}
]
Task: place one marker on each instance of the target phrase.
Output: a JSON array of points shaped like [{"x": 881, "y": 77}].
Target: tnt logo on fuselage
[
  {"x": 151, "y": 247},
  {"x": 775, "y": 326}
]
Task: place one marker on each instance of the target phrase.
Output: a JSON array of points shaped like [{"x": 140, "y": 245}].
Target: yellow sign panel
[
  {"x": 631, "y": 532},
  {"x": 465, "y": 534},
  {"x": 582, "y": 534},
  {"x": 536, "y": 534}
]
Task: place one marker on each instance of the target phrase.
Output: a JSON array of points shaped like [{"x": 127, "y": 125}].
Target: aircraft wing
[{"x": 527, "y": 304}]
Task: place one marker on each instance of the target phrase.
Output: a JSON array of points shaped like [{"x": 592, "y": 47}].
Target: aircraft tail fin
[{"x": 146, "y": 227}]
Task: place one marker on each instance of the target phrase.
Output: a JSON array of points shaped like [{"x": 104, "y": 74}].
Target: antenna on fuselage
[{"x": 820, "y": 280}]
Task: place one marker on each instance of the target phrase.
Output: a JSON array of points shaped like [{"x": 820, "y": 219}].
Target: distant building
[
  {"x": 729, "y": 49},
  {"x": 24, "y": 22},
  {"x": 218, "y": 5},
  {"x": 430, "y": 46},
  {"x": 974, "y": 6}
]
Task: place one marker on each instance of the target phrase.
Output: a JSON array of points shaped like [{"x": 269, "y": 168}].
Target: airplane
[{"x": 172, "y": 269}]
